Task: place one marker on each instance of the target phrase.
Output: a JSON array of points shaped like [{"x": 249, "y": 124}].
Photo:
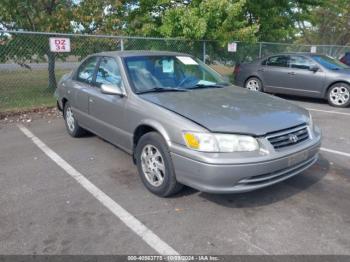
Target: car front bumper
[{"x": 237, "y": 178}]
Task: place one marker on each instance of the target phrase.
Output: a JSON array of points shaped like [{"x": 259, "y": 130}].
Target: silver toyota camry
[{"x": 184, "y": 125}]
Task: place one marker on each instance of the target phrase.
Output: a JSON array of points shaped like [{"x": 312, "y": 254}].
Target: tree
[
  {"x": 144, "y": 17},
  {"x": 41, "y": 16},
  {"x": 196, "y": 19},
  {"x": 328, "y": 24},
  {"x": 277, "y": 19},
  {"x": 63, "y": 16},
  {"x": 212, "y": 19},
  {"x": 99, "y": 16},
  {"x": 223, "y": 20},
  {"x": 248, "y": 21}
]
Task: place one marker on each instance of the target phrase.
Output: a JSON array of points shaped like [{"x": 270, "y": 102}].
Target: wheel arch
[
  {"x": 333, "y": 83},
  {"x": 64, "y": 101},
  {"x": 258, "y": 77},
  {"x": 251, "y": 76},
  {"x": 61, "y": 104},
  {"x": 145, "y": 127}
]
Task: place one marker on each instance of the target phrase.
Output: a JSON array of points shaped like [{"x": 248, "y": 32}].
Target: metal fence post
[
  {"x": 260, "y": 49},
  {"x": 204, "y": 51},
  {"x": 122, "y": 44}
]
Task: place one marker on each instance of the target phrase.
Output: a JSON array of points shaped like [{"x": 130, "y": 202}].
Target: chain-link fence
[
  {"x": 29, "y": 71},
  {"x": 335, "y": 51}
]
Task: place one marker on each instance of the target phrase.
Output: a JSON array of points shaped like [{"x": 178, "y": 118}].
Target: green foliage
[
  {"x": 223, "y": 20},
  {"x": 39, "y": 15},
  {"x": 277, "y": 19},
  {"x": 99, "y": 16},
  {"x": 329, "y": 24},
  {"x": 212, "y": 19}
]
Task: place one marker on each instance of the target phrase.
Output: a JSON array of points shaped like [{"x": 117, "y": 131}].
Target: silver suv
[{"x": 184, "y": 125}]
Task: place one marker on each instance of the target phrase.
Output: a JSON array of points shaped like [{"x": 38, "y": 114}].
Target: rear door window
[{"x": 280, "y": 61}]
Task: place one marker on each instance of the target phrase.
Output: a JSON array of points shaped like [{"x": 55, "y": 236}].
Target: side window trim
[{"x": 93, "y": 81}]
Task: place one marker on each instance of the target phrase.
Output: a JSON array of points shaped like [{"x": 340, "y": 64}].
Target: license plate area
[{"x": 297, "y": 158}]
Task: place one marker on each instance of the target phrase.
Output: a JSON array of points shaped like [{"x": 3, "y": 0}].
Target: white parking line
[
  {"x": 328, "y": 111},
  {"x": 135, "y": 225},
  {"x": 335, "y": 152}
]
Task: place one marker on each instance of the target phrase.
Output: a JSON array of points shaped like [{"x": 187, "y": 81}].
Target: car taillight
[{"x": 236, "y": 70}]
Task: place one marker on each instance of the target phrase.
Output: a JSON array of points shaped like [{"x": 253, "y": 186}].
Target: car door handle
[
  {"x": 261, "y": 70},
  {"x": 291, "y": 73},
  {"x": 91, "y": 100}
]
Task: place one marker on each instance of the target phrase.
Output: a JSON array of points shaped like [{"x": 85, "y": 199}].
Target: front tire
[
  {"x": 155, "y": 165},
  {"x": 339, "y": 95},
  {"x": 71, "y": 122},
  {"x": 254, "y": 84}
]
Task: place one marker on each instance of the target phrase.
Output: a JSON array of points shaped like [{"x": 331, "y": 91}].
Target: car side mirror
[
  {"x": 314, "y": 68},
  {"x": 112, "y": 90}
]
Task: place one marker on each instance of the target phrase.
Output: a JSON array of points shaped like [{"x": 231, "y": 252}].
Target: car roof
[
  {"x": 288, "y": 53},
  {"x": 296, "y": 53},
  {"x": 130, "y": 53}
]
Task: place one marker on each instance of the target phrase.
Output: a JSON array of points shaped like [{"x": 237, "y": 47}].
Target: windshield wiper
[
  {"x": 161, "y": 89},
  {"x": 201, "y": 86}
]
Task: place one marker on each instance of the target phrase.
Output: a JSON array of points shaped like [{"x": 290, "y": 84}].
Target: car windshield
[
  {"x": 170, "y": 73},
  {"x": 329, "y": 63}
]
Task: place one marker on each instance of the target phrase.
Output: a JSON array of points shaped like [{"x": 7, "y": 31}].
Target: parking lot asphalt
[{"x": 43, "y": 210}]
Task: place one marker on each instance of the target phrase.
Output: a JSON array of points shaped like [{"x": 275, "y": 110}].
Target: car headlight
[
  {"x": 311, "y": 125},
  {"x": 209, "y": 142},
  {"x": 311, "y": 121}
]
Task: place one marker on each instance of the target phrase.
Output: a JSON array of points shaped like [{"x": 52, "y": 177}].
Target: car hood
[{"x": 232, "y": 110}]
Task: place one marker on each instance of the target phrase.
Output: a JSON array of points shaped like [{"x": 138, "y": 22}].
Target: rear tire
[
  {"x": 71, "y": 122},
  {"x": 338, "y": 95},
  {"x": 155, "y": 165},
  {"x": 254, "y": 84}
]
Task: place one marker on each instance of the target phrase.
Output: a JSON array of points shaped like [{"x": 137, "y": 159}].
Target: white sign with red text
[
  {"x": 313, "y": 49},
  {"x": 232, "y": 47},
  {"x": 58, "y": 44}
]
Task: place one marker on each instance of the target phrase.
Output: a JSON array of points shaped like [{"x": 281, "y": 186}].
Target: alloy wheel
[
  {"x": 152, "y": 164},
  {"x": 339, "y": 95},
  {"x": 70, "y": 119},
  {"x": 253, "y": 85}
]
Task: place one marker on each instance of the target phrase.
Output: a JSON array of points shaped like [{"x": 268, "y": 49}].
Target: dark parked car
[
  {"x": 345, "y": 59},
  {"x": 184, "y": 125},
  {"x": 301, "y": 74}
]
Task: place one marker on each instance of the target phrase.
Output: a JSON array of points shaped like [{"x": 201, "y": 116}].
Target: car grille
[{"x": 289, "y": 137}]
